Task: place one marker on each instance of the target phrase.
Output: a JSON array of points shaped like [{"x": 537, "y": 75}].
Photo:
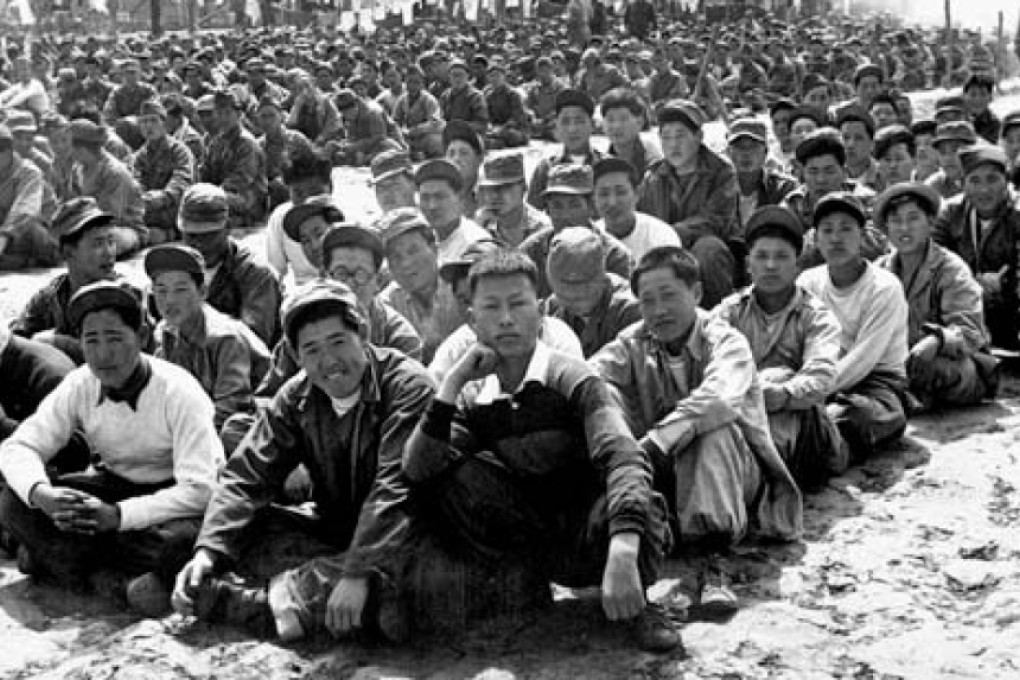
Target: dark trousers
[
  {"x": 70, "y": 558},
  {"x": 870, "y": 414}
]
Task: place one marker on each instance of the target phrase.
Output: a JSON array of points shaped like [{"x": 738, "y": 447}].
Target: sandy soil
[{"x": 909, "y": 568}]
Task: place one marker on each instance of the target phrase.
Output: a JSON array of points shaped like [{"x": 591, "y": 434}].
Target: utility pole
[
  {"x": 156, "y": 17},
  {"x": 950, "y": 41}
]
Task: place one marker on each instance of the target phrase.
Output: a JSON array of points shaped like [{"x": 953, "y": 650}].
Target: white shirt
[
  {"x": 169, "y": 437},
  {"x": 284, "y": 253},
  {"x": 649, "y": 232},
  {"x": 454, "y": 245}
]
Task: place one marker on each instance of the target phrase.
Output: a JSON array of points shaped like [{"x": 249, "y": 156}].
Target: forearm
[{"x": 428, "y": 452}]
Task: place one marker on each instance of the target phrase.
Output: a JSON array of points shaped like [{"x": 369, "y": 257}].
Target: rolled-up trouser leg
[
  {"x": 716, "y": 262},
  {"x": 717, "y": 478},
  {"x": 955, "y": 382},
  {"x": 868, "y": 415},
  {"x": 810, "y": 444}
]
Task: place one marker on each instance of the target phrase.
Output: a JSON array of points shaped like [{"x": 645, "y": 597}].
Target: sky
[{"x": 982, "y": 14}]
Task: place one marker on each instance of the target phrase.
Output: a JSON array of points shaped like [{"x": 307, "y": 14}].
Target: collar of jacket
[{"x": 693, "y": 344}]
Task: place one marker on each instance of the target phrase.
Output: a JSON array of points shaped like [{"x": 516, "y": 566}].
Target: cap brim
[
  {"x": 390, "y": 173},
  {"x": 569, "y": 191},
  {"x": 500, "y": 182},
  {"x": 457, "y": 269},
  {"x": 195, "y": 227},
  {"x": 744, "y": 135}
]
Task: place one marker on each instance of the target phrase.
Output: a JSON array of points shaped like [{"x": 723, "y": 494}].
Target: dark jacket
[
  {"x": 247, "y": 289},
  {"x": 29, "y": 371}
]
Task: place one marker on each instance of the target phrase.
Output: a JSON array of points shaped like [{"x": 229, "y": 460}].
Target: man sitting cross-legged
[
  {"x": 795, "y": 342},
  {"x": 523, "y": 458},
  {"x": 136, "y": 511},
  {"x": 345, "y": 417},
  {"x": 689, "y": 388}
]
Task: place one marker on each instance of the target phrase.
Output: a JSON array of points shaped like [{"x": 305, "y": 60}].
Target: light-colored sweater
[
  {"x": 170, "y": 437},
  {"x": 872, "y": 313}
]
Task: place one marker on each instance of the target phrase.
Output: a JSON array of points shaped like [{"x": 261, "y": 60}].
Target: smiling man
[
  {"x": 570, "y": 498},
  {"x": 128, "y": 522},
  {"x": 345, "y": 418},
  {"x": 869, "y": 392}
]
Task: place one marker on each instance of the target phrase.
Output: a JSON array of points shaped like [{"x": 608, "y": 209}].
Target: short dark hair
[
  {"x": 680, "y": 261},
  {"x": 980, "y": 80},
  {"x": 891, "y": 136},
  {"x": 774, "y": 231},
  {"x": 132, "y": 318},
  {"x": 326, "y": 309},
  {"x": 502, "y": 263},
  {"x": 305, "y": 166},
  {"x": 885, "y": 97},
  {"x": 856, "y": 116},
  {"x": 621, "y": 98}
]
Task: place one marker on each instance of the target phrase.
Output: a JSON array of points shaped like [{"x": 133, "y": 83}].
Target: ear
[{"x": 697, "y": 291}]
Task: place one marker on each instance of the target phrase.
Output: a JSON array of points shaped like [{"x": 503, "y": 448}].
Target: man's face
[
  {"x": 781, "y": 126},
  {"x": 332, "y": 355},
  {"x": 311, "y": 232},
  {"x": 395, "y": 192},
  {"x": 823, "y": 174},
  {"x": 908, "y": 227},
  {"x": 1011, "y": 144},
  {"x": 544, "y": 73},
  {"x": 568, "y": 210},
  {"x": 467, "y": 160},
  {"x": 622, "y": 126},
  {"x": 496, "y": 77},
  {"x": 985, "y": 187},
  {"x": 225, "y": 117},
  {"x": 208, "y": 120},
  {"x": 858, "y": 143},
  {"x": 906, "y": 108},
  {"x": 178, "y": 297},
  {"x": 130, "y": 76},
  {"x": 579, "y": 295},
  {"x": 748, "y": 155},
  {"x": 615, "y": 198},
  {"x": 213, "y": 245},
  {"x": 679, "y": 143},
  {"x": 111, "y": 347},
  {"x": 93, "y": 258},
  {"x": 355, "y": 268},
  {"x": 839, "y": 238},
  {"x": 256, "y": 77},
  {"x": 324, "y": 80},
  {"x": 927, "y": 156},
  {"x": 413, "y": 262},
  {"x": 269, "y": 118},
  {"x": 884, "y": 115},
  {"x": 668, "y": 305},
  {"x": 868, "y": 87},
  {"x": 414, "y": 84},
  {"x": 977, "y": 99},
  {"x": 439, "y": 202},
  {"x": 818, "y": 98},
  {"x": 949, "y": 159},
  {"x": 896, "y": 164},
  {"x": 573, "y": 128},
  {"x": 458, "y": 78},
  {"x": 503, "y": 199},
  {"x": 505, "y": 315},
  {"x": 151, "y": 126},
  {"x": 801, "y": 128},
  {"x": 772, "y": 263},
  {"x": 391, "y": 80}
]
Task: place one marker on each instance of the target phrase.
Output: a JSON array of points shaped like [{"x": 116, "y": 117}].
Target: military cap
[
  {"x": 398, "y": 222},
  {"x": 839, "y": 201},
  {"x": 226, "y": 99},
  {"x": 20, "y": 121},
  {"x": 923, "y": 126},
  {"x": 322, "y": 206},
  {"x": 890, "y": 136},
  {"x": 389, "y": 164},
  {"x": 84, "y": 130},
  {"x": 570, "y": 178},
  {"x": 782, "y": 104},
  {"x": 348, "y": 234},
  {"x": 455, "y": 269},
  {"x": 174, "y": 257},
  {"x": 268, "y": 100},
  {"x": 345, "y": 99},
  {"x": 440, "y": 169},
  {"x": 855, "y": 114},
  {"x": 102, "y": 295},
  {"x": 924, "y": 195},
  {"x": 130, "y": 65},
  {"x": 319, "y": 292},
  {"x": 458, "y": 63},
  {"x": 775, "y": 217},
  {"x": 254, "y": 64},
  {"x": 866, "y": 70},
  {"x": 152, "y": 107},
  {"x": 77, "y": 215},
  {"x": 506, "y": 168},
  {"x": 576, "y": 254},
  {"x": 955, "y": 131},
  {"x": 813, "y": 81},
  {"x": 575, "y": 98},
  {"x": 460, "y": 129},
  {"x": 972, "y": 157},
  {"x": 205, "y": 103},
  {"x": 1011, "y": 120},
  {"x": 821, "y": 142},
  {"x": 681, "y": 111},
  {"x": 748, "y": 128},
  {"x": 204, "y": 209}
]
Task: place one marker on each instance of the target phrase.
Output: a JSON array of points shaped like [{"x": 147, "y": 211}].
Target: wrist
[
  {"x": 625, "y": 545},
  {"x": 450, "y": 389}
]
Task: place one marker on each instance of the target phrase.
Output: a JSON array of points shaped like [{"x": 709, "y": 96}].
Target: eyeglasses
[{"x": 359, "y": 276}]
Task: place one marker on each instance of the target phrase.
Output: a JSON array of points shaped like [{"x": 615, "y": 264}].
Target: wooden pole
[
  {"x": 1000, "y": 52},
  {"x": 948, "y": 82}
]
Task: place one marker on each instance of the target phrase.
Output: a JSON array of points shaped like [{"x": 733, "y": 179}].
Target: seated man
[
  {"x": 307, "y": 179},
  {"x": 419, "y": 117},
  {"x": 135, "y": 512},
  {"x": 689, "y": 389},
  {"x": 759, "y": 185},
  {"x": 895, "y": 152},
  {"x": 981, "y": 226},
  {"x": 623, "y": 117},
  {"x": 568, "y": 200},
  {"x": 508, "y": 121},
  {"x": 573, "y": 129},
  {"x": 462, "y": 100},
  {"x": 552, "y": 332},
  {"x": 27, "y": 204},
  {"x": 949, "y": 362},
  {"x": 596, "y": 305},
  {"x": 370, "y": 131},
  {"x": 570, "y": 498},
  {"x": 540, "y": 99},
  {"x": 858, "y": 131},
  {"x": 393, "y": 181},
  {"x": 224, "y": 355},
  {"x": 345, "y": 417},
  {"x": 234, "y": 162},
  {"x": 164, "y": 169},
  {"x": 794, "y": 339},
  {"x": 279, "y": 146},
  {"x": 950, "y": 138},
  {"x": 417, "y": 292},
  {"x": 439, "y": 193},
  {"x": 695, "y": 190},
  {"x": 504, "y": 213},
  {"x": 85, "y": 235},
  {"x": 108, "y": 181},
  {"x": 867, "y": 400},
  {"x": 29, "y": 371},
  {"x": 616, "y": 197},
  {"x": 238, "y": 284}
]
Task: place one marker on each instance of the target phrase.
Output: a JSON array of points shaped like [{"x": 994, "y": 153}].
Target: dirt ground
[{"x": 909, "y": 568}]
